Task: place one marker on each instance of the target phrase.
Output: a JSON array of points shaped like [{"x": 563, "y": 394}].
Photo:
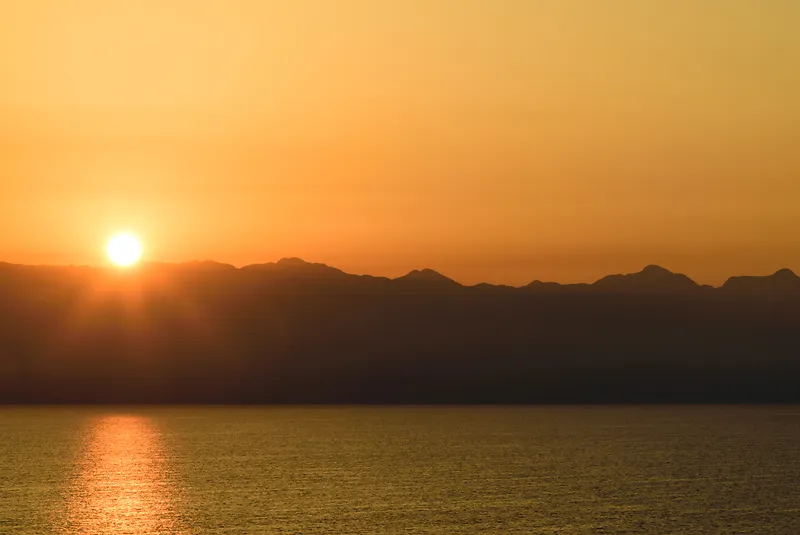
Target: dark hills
[
  {"x": 426, "y": 279},
  {"x": 651, "y": 278},
  {"x": 295, "y": 267},
  {"x": 783, "y": 280},
  {"x": 298, "y": 332}
]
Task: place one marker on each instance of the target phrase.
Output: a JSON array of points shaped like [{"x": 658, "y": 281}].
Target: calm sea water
[{"x": 680, "y": 470}]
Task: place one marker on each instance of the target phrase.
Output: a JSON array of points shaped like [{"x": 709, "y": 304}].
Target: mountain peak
[
  {"x": 293, "y": 261},
  {"x": 780, "y": 281},
  {"x": 296, "y": 267},
  {"x": 428, "y": 277},
  {"x": 652, "y": 278},
  {"x": 543, "y": 286},
  {"x": 427, "y": 272},
  {"x": 655, "y": 270},
  {"x": 207, "y": 265}
]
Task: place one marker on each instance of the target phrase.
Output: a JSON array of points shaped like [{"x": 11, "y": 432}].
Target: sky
[{"x": 499, "y": 141}]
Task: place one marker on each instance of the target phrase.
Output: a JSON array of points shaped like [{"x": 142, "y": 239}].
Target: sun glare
[{"x": 124, "y": 249}]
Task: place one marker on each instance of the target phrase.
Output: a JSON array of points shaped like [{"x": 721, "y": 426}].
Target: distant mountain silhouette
[
  {"x": 485, "y": 287},
  {"x": 554, "y": 287},
  {"x": 540, "y": 286},
  {"x": 651, "y": 279},
  {"x": 427, "y": 279},
  {"x": 783, "y": 280},
  {"x": 300, "y": 332},
  {"x": 295, "y": 267}
]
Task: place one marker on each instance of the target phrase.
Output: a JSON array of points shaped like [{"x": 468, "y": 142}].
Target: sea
[{"x": 400, "y": 470}]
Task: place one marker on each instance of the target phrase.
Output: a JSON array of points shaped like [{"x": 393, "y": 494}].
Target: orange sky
[{"x": 500, "y": 141}]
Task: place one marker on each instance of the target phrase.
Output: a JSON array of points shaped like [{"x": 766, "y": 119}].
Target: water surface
[{"x": 562, "y": 470}]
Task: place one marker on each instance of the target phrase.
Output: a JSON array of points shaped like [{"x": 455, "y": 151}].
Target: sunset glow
[
  {"x": 124, "y": 250},
  {"x": 493, "y": 141}
]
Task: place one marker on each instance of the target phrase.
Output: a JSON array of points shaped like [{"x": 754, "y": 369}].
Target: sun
[{"x": 124, "y": 249}]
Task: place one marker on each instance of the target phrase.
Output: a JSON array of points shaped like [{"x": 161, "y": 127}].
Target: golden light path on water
[{"x": 122, "y": 483}]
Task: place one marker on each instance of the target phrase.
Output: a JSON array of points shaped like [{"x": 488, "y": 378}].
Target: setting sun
[{"x": 124, "y": 249}]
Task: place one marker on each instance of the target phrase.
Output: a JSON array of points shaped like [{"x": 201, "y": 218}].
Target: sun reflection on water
[{"x": 122, "y": 484}]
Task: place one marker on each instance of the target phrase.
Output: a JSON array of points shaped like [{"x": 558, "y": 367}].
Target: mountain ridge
[
  {"x": 297, "y": 332},
  {"x": 782, "y": 280},
  {"x": 652, "y": 278}
]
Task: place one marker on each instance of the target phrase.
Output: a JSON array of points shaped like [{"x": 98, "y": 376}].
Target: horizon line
[{"x": 300, "y": 261}]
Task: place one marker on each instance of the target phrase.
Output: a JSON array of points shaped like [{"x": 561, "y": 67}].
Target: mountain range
[
  {"x": 652, "y": 278},
  {"x": 300, "y": 332}
]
